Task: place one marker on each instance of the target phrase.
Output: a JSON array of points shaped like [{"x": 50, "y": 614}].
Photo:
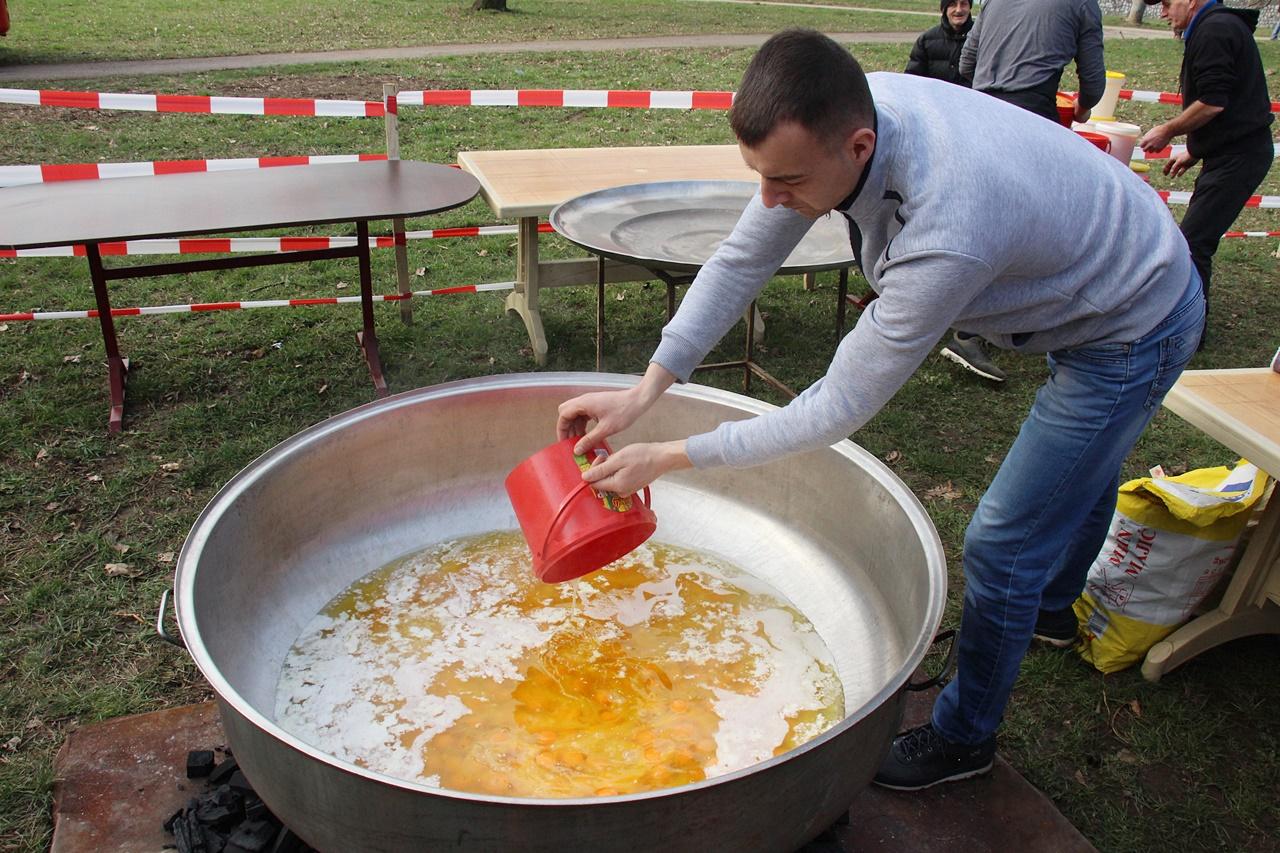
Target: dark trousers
[
  {"x": 1225, "y": 183},
  {"x": 1041, "y": 100}
]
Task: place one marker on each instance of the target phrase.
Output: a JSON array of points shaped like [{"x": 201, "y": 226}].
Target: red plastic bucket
[
  {"x": 1066, "y": 108},
  {"x": 571, "y": 529},
  {"x": 1101, "y": 140}
]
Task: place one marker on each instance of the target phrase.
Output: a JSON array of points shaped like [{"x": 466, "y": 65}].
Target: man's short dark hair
[{"x": 802, "y": 76}]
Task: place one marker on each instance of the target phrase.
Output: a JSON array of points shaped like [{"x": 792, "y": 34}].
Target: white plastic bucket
[
  {"x": 1123, "y": 138},
  {"x": 1105, "y": 109}
]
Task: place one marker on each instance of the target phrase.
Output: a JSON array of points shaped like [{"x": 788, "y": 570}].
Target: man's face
[
  {"x": 798, "y": 171},
  {"x": 959, "y": 12},
  {"x": 1179, "y": 12}
]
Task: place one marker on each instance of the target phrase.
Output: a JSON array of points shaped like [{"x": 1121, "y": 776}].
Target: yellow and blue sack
[{"x": 1170, "y": 542}]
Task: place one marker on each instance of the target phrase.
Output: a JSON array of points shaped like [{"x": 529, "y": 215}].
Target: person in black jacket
[
  {"x": 937, "y": 52},
  {"x": 1226, "y": 116}
]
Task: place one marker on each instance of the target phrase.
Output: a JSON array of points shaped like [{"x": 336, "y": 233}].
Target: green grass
[
  {"x": 69, "y": 30},
  {"x": 1133, "y": 765}
]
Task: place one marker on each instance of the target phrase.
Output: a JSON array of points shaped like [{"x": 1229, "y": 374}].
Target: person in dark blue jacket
[{"x": 937, "y": 52}]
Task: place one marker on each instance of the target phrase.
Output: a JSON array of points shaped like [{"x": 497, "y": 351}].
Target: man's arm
[
  {"x": 918, "y": 62},
  {"x": 1195, "y": 116},
  {"x": 1091, "y": 67},
  {"x": 969, "y": 53}
]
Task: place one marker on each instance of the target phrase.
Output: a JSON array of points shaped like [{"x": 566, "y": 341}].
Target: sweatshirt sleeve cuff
[{"x": 677, "y": 355}]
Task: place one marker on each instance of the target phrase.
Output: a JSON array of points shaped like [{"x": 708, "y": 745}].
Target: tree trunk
[
  {"x": 495, "y": 5},
  {"x": 1135, "y": 12}
]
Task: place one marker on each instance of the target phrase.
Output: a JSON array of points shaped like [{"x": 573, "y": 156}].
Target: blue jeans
[{"x": 1046, "y": 515}]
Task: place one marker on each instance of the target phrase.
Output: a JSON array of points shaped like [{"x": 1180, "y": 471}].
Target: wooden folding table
[
  {"x": 527, "y": 184},
  {"x": 1241, "y": 409}
]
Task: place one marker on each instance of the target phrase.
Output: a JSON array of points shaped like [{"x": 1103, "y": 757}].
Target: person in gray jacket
[
  {"x": 1017, "y": 50},
  {"x": 1118, "y": 320}
]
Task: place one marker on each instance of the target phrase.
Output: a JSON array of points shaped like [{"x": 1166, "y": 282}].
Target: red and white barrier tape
[
  {"x": 635, "y": 99},
  {"x": 45, "y": 173},
  {"x": 638, "y": 99},
  {"x": 226, "y": 245},
  {"x": 1184, "y": 197},
  {"x": 1252, "y": 234},
  {"x": 1166, "y": 98},
  {"x": 192, "y": 103},
  {"x": 200, "y": 307},
  {"x": 1171, "y": 151}
]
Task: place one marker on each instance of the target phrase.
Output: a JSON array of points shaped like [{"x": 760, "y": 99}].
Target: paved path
[{"x": 133, "y": 68}]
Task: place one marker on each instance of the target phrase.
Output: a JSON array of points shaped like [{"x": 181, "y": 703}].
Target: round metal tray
[{"x": 677, "y": 225}]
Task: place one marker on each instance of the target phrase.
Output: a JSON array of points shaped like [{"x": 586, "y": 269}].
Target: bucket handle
[{"x": 564, "y": 504}]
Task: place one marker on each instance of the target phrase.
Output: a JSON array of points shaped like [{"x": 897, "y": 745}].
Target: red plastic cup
[
  {"x": 1102, "y": 141},
  {"x": 571, "y": 529}
]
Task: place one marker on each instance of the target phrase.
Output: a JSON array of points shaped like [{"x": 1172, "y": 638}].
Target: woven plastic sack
[{"x": 1170, "y": 542}]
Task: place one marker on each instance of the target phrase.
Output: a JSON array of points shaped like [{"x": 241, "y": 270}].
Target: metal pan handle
[
  {"x": 161, "y": 630},
  {"x": 948, "y": 665}
]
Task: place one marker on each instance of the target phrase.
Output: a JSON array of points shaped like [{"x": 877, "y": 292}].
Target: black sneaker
[
  {"x": 1058, "y": 628},
  {"x": 920, "y": 758},
  {"x": 968, "y": 353}
]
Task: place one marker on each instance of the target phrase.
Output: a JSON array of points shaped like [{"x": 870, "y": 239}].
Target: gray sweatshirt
[
  {"x": 1016, "y": 45},
  {"x": 973, "y": 213}
]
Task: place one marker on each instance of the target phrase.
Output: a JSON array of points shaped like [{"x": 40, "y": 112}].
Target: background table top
[
  {"x": 1240, "y": 408},
  {"x": 531, "y": 182},
  {"x": 211, "y": 202}
]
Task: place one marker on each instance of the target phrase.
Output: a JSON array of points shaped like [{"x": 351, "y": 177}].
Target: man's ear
[{"x": 860, "y": 144}]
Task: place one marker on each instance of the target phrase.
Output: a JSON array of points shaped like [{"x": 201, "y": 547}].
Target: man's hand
[
  {"x": 1082, "y": 113},
  {"x": 1175, "y": 166},
  {"x": 1156, "y": 138},
  {"x": 635, "y": 466},
  {"x": 613, "y": 411}
]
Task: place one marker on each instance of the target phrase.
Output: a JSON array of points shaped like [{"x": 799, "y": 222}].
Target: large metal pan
[
  {"x": 677, "y": 225},
  {"x": 834, "y": 530}
]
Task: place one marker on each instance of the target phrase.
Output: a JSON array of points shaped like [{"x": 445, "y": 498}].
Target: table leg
[
  {"x": 524, "y": 299},
  {"x": 117, "y": 366},
  {"x": 1245, "y": 609},
  {"x": 367, "y": 337},
  {"x": 599, "y": 313}
]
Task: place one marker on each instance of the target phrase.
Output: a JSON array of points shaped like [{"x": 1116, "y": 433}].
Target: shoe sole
[
  {"x": 968, "y": 774},
  {"x": 1056, "y": 642},
  {"x": 951, "y": 356}
]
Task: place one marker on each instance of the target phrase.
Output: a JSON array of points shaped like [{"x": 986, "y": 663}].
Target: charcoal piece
[
  {"x": 195, "y": 832},
  {"x": 199, "y": 763},
  {"x": 214, "y": 841},
  {"x": 239, "y": 783},
  {"x": 255, "y": 809},
  {"x": 220, "y": 812},
  {"x": 172, "y": 819},
  {"x": 253, "y": 835},
  {"x": 223, "y": 771}
]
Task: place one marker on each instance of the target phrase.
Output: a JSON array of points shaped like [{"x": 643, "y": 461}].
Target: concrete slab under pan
[{"x": 116, "y": 782}]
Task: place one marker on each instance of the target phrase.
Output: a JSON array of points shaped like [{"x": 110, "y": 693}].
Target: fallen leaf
[
  {"x": 946, "y": 492},
  {"x": 171, "y": 466},
  {"x": 1136, "y": 707},
  {"x": 71, "y": 359},
  {"x": 484, "y": 253},
  {"x": 342, "y": 285},
  {"x": 120, "y": 548},
  {"x": 42, "y": 454},
  {"x": 994, "y": 460},
  {"x": 121, "y": 570},
  {"x": 1125, "y": 756},
  {"x": 94, "y": 478},
  {"x": 52, "y": 506},
  {"x": 420, "y": 272},
  {"x": 12, "y": 743},
  {"x": 165, "y": 557},
  {"x": 1079, "y": 777},
  {"x": 4, "y": 327},
  {"x": 257, "y": 354},
  {"x": 35, "y": 723},
  {"x": 322, "y": 388},
  {"x": 892, "y": 456},
  {"x": 125, "y": 614}
]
